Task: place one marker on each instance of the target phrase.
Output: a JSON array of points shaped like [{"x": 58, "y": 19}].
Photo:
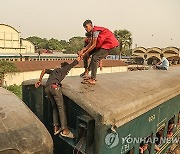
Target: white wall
[
  {"x": 18, "y": 78},
  {"x": 29, "y": 47},
  {"x": 10, "y": 41},
  {"x": 9, "y": 37}
]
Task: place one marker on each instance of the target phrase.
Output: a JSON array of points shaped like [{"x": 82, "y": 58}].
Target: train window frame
[
  {"x": 149, "y": 143},
  {"x": 178, "y": 120},
  {"x": 163, "y": 126},
  {"x": 170, "y": 121}
]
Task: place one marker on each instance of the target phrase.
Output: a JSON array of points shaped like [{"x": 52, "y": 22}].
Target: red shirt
[{"x": 106, "y": 38}]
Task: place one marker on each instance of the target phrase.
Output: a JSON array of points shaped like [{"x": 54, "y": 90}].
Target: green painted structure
[{"x": 115, "y": 115}]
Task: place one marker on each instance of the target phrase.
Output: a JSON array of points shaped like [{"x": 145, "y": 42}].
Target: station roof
[
  {"x": 25, "y": 66},
  {"x": 120, "y": 97}
]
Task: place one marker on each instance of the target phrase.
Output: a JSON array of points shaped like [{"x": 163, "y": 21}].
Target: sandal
[
  {"x": 85, "y": 82},
  {"x": 57, "y": 132},
  {"x": 82, "y": 75},
  {"x": 70, "y": 135},
  {"x": 90, "y": 82}
]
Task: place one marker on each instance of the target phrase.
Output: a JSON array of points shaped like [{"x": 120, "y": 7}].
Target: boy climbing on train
[
  {"x": 103, "y": 40},
  {"x": 54, "y": 93}
]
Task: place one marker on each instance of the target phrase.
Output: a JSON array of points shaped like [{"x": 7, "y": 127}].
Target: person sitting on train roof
[
  {"x": 143, "y": 149},
  {"x": 103, "y": 40},
  {"x": 86, "y": 57},
  {"x": 170, "y": 128},
  {"x": 163, "y": 64},
  {"x": 54, "y": 93}
]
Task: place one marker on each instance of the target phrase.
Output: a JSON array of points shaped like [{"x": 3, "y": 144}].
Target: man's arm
[
  {"x": 91, "y": 47},
  {"x": 38, "y": 83},
  {"x": 71, "y": 65},
  {"x": 85, "y": 48},
  {"x": 159, "y": 63}
]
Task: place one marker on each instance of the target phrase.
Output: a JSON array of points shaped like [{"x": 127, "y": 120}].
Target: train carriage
[
  {"x": 117, "y": 114},
  {"x": 21, "y": 132}
]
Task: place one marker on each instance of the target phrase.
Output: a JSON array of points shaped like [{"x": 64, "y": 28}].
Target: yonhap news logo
[{"x": 133, "y": 140}]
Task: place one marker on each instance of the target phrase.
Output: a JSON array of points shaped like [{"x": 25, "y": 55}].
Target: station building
[{"x": 11, "y": 41}]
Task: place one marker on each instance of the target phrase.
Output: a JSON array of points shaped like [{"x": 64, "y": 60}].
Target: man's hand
[
  {"x": 82, "y": 55},
  {"x": 141, "y": 150},
  {"x": 80, "y": 52},
  {"x": 78, "y": 58},
  {"x": 37, "y": 84}
]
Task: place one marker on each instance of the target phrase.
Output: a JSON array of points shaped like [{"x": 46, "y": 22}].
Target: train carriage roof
[
  {"x": 121, "y": 97},
  {"x": 20, "y": 129}
]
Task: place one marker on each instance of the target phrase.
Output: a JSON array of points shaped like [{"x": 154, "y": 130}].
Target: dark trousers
[
  {"x": 160, "y": 67},
  {"x": 86, "y": 58},
  {"x": 96, "y": 57},
  {"x": 59, "y": 112}
]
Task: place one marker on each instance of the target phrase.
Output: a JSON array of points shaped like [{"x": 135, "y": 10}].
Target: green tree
[
  {"x": 39, "y": 42},
  {"x": 6, "y": 67},
  {"x": 125, "y": 39},
  {"x": 54, "y": 44},
  {"x": 75, "y": 44}
]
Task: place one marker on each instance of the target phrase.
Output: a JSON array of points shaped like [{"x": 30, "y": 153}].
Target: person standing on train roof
[
  {"x": 54, "y": 93},
  {"x": 103, "y": 40},
  {"x": 87, "y": 56},
  {"x": 163, "y": 64}
]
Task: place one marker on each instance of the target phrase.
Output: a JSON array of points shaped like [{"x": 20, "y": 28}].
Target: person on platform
[
  {"x": 54, "y": 92},
  {"x": 163, "y": 64},
  {"x": 103, "y": 40}
]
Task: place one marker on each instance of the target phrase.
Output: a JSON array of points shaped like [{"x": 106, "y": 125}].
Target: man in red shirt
[{"x": 103, "y": 40}]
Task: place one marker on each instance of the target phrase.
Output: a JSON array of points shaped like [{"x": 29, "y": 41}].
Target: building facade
[{"x": 11, "y": 42}]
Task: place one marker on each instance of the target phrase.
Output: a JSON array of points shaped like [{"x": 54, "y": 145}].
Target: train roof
[
  {"x": 120, "y": 97},
  {"x": 20, "y": 129}
]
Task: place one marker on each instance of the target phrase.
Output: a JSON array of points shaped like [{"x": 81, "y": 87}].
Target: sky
[{"x": 151, "y": 22}]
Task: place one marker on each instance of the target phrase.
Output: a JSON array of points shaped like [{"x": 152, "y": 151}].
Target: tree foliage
[
  {"x": 125, "y": 39},
  {"x": 75, "y": 44},
  {"x": 6, "y": 67},
  {"x": 17, "y": 90}
]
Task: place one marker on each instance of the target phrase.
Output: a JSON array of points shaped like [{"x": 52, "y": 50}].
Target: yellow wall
[
  {"x": 29, "y": 47},
  {"x": 10, "y": 41},
  {"x": 9, "y": 37},
  {"x": 18, "y": 78}
]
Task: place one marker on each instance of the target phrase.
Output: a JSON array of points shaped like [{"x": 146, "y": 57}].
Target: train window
[
  {"x": 130, "y": 151},
  {"x": 145, "y": 146},
  {"x": 160, "y": 136},
  {"x": 178, "y": 123},
  {"x": 170, "y": 127}
]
